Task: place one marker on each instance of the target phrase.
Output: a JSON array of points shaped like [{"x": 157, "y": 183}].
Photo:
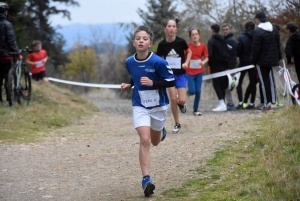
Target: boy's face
[
  {"x": 171, "y": 28},
  {"x": 142, "y": 41},
  {"x": 195, "y": 36},
  {"x": 38, "y": 47},
  {"x": 226, "y": 30}
]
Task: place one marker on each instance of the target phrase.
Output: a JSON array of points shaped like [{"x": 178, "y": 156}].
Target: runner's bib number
[
  {"x": 174, "y": 63},
  {"x": 149, "y": 98},
  {"x": 195, "y": 63},
  {"x": 39, "y": 64}
]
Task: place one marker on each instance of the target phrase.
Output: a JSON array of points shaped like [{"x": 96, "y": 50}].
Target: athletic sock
[
  {"x": 251, "y": 104},
  {"x": 240, "y": 103}
]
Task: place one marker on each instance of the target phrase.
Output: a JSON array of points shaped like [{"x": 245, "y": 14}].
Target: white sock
[
  {"x": 240, "y": 103},
  {"x": 251, "y": 104},
  {"x": 222, "y": 102}
]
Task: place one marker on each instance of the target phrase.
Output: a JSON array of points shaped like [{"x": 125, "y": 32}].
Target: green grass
[
  {"x": 262, "y": 166},
  {"x": 51, "y": 107}
]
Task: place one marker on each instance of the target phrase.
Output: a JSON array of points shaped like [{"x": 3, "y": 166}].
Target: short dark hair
[
  {"x": 226, "y": 25},
  {"x": 190, "y": 31},
  {"x": 215, "y": 28},
  {"x": 292, "y": 26},
  {"x": 261, "y": 16},
  {"x": 175, "y": 20},
  {"x": 146, "y": 29},
  {"x": 249, "y": 25}
]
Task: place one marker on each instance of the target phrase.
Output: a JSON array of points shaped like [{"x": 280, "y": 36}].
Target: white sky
[{"x": 101, "y": 11}]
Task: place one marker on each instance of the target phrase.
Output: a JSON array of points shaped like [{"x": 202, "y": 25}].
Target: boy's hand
[
  {"x": 184, "y": 65},
  {"x": 146, "y": 81},
  {"x": 125, "y": 86}
]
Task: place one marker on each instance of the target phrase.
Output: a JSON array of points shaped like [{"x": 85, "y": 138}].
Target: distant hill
[{"x": 83, "y": 33}]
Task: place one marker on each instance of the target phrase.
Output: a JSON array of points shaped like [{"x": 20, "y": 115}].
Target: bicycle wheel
[
  {"x": 295, "y": 91},
  {"x": 10, "y": 88},
  {"x": 25, "y": 87}
]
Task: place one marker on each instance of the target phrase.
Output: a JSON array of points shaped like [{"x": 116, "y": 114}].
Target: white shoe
[{"x": 220, "y": 108}]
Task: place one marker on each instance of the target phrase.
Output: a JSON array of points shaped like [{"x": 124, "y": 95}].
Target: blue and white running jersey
[{"x": 155, "y": 68}]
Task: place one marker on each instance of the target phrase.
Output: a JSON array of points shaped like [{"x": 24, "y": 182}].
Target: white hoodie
[{"x": 267, "y": 26}]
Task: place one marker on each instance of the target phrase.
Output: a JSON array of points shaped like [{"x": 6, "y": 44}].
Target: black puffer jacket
[
  {"x": 266, "y": 46},
  {"x": 244, "y": 48},
  {"x": 217, "y": 53},
  {"x": 292, "y": 48},
  {"x": 7, "y": 37},
  {"x": 232, "y": 47}
]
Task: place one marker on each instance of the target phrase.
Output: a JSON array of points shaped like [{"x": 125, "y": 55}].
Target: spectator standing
[
  {"x": 244, "y": 51},
  {"x": 265, "y": 55},
  {"x": 172, "y": 49},
  {"x": 292, "y": 49},
  {"x": 37, "y": 60},
  {"x": 195, "y": 70},
  {"x": 7, "y": 44},
  {"x": 218, "y": 55},
  {"x": 232, "y": 47}
]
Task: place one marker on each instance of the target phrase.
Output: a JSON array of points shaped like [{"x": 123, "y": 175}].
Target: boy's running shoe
[
  {"x": 239, "y": 107},
  {"x": 182, "y": 108},
  {"x": 147, "y": 186},
  {"x": 176, "y": 128},
  {"x": 197, "y": 113},
  {"x": 164, "y": 134},
  {"x": 250, "y": 107},
  {"x": 231, "y": 107},
  {"x": 266, "y": 108}
]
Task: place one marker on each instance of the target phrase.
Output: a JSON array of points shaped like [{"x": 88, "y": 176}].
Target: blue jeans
[{"x": 194, "y": 88}]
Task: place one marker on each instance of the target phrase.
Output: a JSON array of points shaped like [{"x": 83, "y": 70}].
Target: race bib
[
  {"x": 39, "y": 64},
  {"x": 149, "y": 98},
  {"x": 174, "y": 63},
  {"x": 195, "y": 63}
]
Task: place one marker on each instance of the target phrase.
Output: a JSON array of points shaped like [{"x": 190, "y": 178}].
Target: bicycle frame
[{"x": 289, "y": 83}]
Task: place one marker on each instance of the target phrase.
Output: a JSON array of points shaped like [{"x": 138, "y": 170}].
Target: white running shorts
[{"x": 154, "y": 119}]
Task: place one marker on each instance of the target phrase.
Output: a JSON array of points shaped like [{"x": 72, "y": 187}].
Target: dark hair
[
  {"x": 190, "y": 31},
  {"x": 292, "y": 26},
  {"x": 215, "y": 28},
  {"x": 146, "y": 29},
  {"x": 226, "y": 25},
  {"x": 249, "y": 25},
  {"x": 261, "y": 16},
  {"x": 176, "y": 22},
  {"x": 276, "y": 26},
  {"x": 36, "y": 42}
]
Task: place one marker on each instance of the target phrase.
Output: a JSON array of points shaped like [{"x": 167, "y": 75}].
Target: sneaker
[
  {"x": 239, "y": 107},
  {"x": 196, "y": 113},
  {"x": 259, "y": 107},
  {"x": 277, "y": 105},
  {"x": 220, "y": 108},
  {"x": 266, "y": 108},
  {"x": 147, "y": 186},
  {"x": 164, "y": 134},
  {"x": 231, "y": 107},
  {"x": 182, "y": 108},
  {"x": 250, "y": 107},
  {"x": 176, "y": 128}
]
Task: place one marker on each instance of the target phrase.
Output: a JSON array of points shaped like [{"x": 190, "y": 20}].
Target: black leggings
[
  {"x": 220, "y": 84},
  {"x": 267, "y": 86},
  {"x": 4, "y": 68}
]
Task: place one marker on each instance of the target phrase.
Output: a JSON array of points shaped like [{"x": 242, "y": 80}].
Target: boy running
[{"x": 150, "y": 76}]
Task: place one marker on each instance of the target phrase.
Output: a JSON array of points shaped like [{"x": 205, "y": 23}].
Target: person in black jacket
[
  {"x": 232, "y": 47},
  {"x": 265, "y": 54},
  {"x": 244, "y": 51},
  {"x": 218, "y": 60},
  {"x": 7, "y": 44},
  {"x": 292, "y": 48}
]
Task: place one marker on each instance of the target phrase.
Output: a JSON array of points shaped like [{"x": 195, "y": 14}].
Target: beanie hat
[{"x": 261, "y": 16}]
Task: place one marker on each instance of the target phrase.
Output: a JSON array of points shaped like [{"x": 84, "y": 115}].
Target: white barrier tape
[
  {"x": 118, "y": 86},
  {"x": 223, "y": 73}
]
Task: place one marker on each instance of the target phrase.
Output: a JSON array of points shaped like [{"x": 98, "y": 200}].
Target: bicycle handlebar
[{"x": 23, "y": 50}]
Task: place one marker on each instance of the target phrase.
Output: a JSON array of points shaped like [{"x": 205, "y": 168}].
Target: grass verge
[
  {"x": 263, "y": 166},
  {"x": 50, "y": 107}
]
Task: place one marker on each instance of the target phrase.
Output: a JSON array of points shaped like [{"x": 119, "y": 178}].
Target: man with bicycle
[{"x": 7, "y": 44}]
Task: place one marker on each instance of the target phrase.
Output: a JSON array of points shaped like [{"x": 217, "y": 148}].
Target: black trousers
[
  {"x": 267, "y": 85},
  {"x": 4, "y": 68},
  {"x": 251, "y": 88},
  {"x": 220, "y": 84}
]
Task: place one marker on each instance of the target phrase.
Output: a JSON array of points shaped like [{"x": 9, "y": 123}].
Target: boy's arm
[{"x": 188, "y": 58}]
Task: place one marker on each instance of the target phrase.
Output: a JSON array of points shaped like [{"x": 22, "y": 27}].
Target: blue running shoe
[
  {"x": 147, "y": 185},
  {"x": 231, "y": 107},
  {"x": 164, "y": 134}
]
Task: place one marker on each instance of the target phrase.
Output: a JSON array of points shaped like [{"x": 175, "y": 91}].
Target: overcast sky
[{"x": 101, "y": 11}]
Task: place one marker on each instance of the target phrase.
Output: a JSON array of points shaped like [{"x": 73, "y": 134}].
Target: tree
[{"x": 82, "y": 66}]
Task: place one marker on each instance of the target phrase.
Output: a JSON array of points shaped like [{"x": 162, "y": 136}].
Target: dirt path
[{"x": 97, "y": 159}]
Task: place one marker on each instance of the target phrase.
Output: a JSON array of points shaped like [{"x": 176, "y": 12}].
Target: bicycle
[
  {"x": 19, "y": 80},
  {"x": 290, "y": 85}
]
